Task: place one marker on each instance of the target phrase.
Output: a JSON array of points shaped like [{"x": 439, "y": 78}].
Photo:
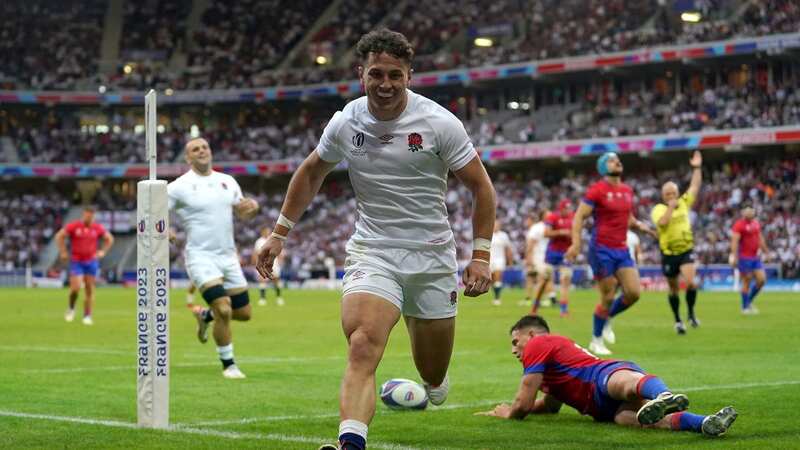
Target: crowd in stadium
[
  {"x": 231, "y": 48},
  {"x": 610, "y": 113},
  {"x": 50, "y": 45},
  {"x": 154, "y": 29},
  {"x": 751, "y": 105},
  {"x": 770, "y": 185},
  {"x": 27, "y": 222}
]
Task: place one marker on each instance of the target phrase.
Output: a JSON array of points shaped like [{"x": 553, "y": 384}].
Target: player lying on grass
[{"x": 608, "y": 390}]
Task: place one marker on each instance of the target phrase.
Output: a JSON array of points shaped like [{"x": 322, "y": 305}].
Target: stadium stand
[
  {"x": 227, "y": 48},
  {"x": 605, "y": 110},
  {"x": 49, "y": 45},
  {"x": 27, "y": 222},
  {"x": 153, "y": 29},
  {"x": 232, "y": 49},
  {"x": 241, "y": 41},
  {"x": 770, "y": 184}
]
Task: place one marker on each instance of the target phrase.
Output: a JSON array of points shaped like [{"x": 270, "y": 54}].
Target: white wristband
[
  {"x": 481, "y": 244},
  {"x": 282, "y": 220},
  {"x": 279, "y": 237}
]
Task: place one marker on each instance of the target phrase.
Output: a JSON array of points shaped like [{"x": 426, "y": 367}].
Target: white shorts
[
  {"x": 203, "y": 267},
  {"x": 420, "y": 283},
  {"x": 497, "y": 264},
  {"x": 542, "y": 268}
]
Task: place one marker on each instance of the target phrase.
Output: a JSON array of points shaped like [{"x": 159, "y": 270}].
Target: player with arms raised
[
  {"x": 607, "y": 390},
  {"x": 401, "y": 259},
  {"x": 610, "y": 202},
  {"x": 84, "y": 260},
  {"x": 205, "y": 201}
]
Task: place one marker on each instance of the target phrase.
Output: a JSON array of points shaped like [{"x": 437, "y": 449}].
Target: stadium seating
[
  {"x": 232, "y": 48},
  {"x": 27, "y": 222},
  {"x": 634, "y": 110},
  {"x": 50, "y": 45},
  {"x": 240, "y": 41},
  {"x": 154, "y": 29},
  {"x": 770, "y": 184}
]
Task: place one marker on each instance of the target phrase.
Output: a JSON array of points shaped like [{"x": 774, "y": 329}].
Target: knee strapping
[
  {"x": 213, "y": 293},
  {"x": 240, "y": 300}
]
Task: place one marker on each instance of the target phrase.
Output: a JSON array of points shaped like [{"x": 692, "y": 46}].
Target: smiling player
[{"x": 401, "y": 260}]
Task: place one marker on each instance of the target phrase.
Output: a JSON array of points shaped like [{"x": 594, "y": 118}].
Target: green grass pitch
[{"x": 66, "y": 385}]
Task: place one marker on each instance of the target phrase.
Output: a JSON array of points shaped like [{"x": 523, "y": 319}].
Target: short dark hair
[
  {"x": 384, "y": 40},
  {"x": 89, "y": 207},
  {"x": 530, "y": 322}
]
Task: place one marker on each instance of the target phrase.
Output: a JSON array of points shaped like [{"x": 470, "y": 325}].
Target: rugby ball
[{"x": 399, "y": 393}]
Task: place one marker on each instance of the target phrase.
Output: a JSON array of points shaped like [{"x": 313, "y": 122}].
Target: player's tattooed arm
[
  {"x": 303, "y": 186},
  {"x": 476, "y": 276}
]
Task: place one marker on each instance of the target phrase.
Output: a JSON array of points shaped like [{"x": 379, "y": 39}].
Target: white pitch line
[
  {"x": 250, "y": 361},
  {"x": 380, "y": 412},
  {"x": 189, "y": 430},
  {"x": 712, "y": 387},
  {"x": 89, "y": 350},
  {"x": 211, "y": 423},
  {"x": 472, "y": 404},
  {"x": 245, "y": 360}
]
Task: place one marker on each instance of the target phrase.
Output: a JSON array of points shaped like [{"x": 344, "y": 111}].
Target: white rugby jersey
[
  {"x": 536, "y": 231},
  {"x": 398, "y": 169},
  {"x": 632, "y": 240},
  {"x": 204, "y": 205},
  {"x": 500, "y": 242}
]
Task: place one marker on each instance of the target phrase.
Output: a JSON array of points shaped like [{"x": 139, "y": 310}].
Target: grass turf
[{"x": 294, "y": 358}]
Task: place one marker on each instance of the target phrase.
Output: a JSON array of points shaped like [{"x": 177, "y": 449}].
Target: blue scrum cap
[{"x": 602, "y": 167}]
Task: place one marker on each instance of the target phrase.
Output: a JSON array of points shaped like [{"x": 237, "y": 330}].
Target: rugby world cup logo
[
  {"x": 161, "y": 225},
  {"x": 141, "y": 226}
]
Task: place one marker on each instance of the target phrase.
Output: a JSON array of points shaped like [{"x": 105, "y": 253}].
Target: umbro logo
[{"x": 386, "y": 139}]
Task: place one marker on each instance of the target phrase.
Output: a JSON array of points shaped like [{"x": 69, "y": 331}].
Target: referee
[{"x": 676, "y": 241}]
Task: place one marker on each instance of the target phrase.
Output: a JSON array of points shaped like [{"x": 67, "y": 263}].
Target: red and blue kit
[
  {"x": 83, "y": 242},
  {"x": 750, "y": 231},
  {"x": 573, "y": 375},
  {"x": 558, "y": 245},
  {"x": 612, "y": 205}
]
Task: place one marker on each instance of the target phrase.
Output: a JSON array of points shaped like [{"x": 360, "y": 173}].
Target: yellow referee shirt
[{"x": 676, "y": 237}]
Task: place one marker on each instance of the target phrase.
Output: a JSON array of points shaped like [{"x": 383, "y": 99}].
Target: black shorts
[{"x": 671, "y": 264}]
